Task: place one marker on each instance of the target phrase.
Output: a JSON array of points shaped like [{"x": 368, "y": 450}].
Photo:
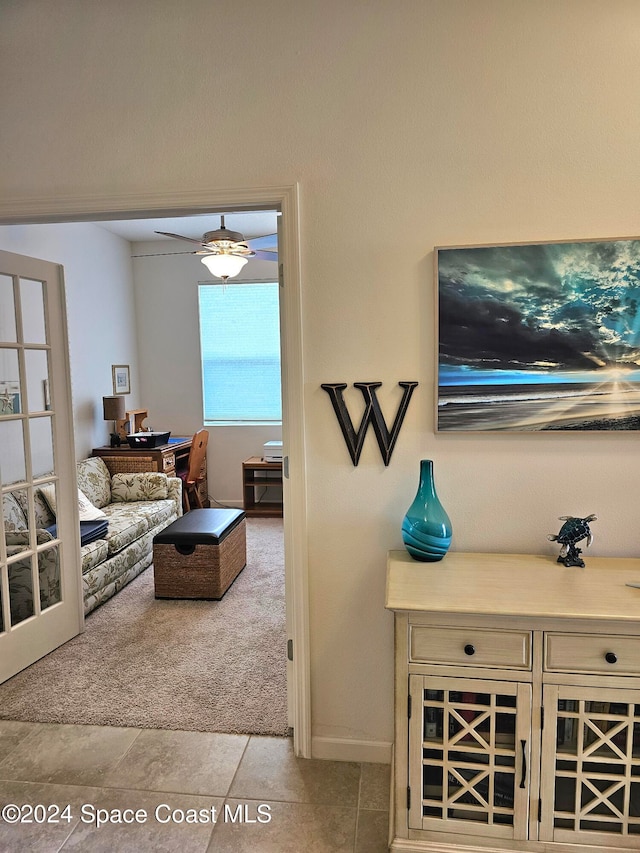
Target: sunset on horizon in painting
[{"x": 541, "y": 336}]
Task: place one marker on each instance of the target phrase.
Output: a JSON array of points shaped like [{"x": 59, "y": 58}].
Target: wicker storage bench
[{"x": 200, "y": 554}]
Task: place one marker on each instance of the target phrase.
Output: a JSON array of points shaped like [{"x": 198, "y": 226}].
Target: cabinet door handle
[
  {"x": 611, "y": 657},
  {"x": 523, "y": 780},
  {"x": 469, "y": 649}
]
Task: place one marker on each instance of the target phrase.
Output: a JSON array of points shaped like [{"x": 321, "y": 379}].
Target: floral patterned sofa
[{"x": 137, "y": 506}]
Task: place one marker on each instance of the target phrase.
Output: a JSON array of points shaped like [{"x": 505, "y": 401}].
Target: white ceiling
[{"x": 249, "y": 223}]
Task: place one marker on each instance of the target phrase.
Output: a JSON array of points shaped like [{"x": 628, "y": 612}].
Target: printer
[{"x": 272, "y": 451}]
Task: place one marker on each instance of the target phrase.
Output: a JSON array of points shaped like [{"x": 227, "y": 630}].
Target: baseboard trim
[
  {"x": 347, "y": 749},
  {"x": 404, "y": 845}
]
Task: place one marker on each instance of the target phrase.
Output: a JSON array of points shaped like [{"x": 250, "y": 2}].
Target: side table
[{"x": 258, "y": 474}]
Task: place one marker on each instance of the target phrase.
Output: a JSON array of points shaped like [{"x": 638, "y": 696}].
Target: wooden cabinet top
[
  {"x": 515, "y": 585},
  {"x": 257, "y": 462}
]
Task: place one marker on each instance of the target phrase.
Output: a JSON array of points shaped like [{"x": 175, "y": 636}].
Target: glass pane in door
[
  {"x": 12, "y": 460},
  {"x": 48, "y": 544},
  {"x": 18, "y": 541},
  {"x": 16, "y": 520},
  {"x": 33, "y": 319},
  {"x": 21, "y": 600},
  {"x": 37, "y": 380},
  {"x": 10, "y": 387},
  {"x": 597, "y": 773},
  {"x": 49, "y": 574},
  {"x": 470, "y": 757},
  {"x": 7, "y": 310},
  {"x": 41, "y": 446}
]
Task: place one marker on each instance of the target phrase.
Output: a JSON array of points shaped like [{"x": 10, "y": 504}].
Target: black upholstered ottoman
[{"x": 200, "y": 554}]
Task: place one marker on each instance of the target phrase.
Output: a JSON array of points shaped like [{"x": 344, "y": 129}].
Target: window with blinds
[{"x": 240, "y": 350}]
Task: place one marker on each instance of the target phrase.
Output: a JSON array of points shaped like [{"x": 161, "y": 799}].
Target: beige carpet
[{"x": 209, "y": 666}]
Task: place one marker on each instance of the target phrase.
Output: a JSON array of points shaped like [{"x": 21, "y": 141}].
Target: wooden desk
[
  {"x": 256, "y": 473},
  {"x": 171, "y": 459}
]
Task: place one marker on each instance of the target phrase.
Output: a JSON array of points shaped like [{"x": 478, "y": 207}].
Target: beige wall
[
  {"x": 409, "y": 124},
  {"x": 100, "y": 314},
  {"x": 166, "y": 298}
]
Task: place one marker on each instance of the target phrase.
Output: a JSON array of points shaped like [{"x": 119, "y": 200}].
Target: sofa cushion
[
  {"x": 126, "y": 524},
  {"x": 95, "y": 481},
  {"x": 115, "y": 572},
  {"x": 93, "y": 554},
  {"x": 142, "y": 486},
  {"x": 157, "y": 512},
  {"x": 86, "y": 510}
]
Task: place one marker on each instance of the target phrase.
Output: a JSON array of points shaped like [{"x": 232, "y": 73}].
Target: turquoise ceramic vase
[{"x": 426, "y": 528}]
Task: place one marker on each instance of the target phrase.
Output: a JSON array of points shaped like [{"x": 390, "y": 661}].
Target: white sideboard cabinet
[{"x": 517, "y": 704}]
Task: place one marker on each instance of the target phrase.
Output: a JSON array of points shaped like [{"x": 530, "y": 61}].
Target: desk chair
[{"x": 192, "y": 477}]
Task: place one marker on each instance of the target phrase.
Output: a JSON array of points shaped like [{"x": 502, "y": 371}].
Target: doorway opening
[{"x": 293, "y": 486}]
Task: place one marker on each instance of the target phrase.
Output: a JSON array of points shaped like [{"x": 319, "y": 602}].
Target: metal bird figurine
[{"x": 573, "y": 530}]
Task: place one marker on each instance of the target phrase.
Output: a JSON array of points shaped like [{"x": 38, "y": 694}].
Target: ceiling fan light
[{"x": 224, "y": 266}]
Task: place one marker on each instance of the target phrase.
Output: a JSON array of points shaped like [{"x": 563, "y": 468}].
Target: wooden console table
[
  {"x": 256, "y": 474},
  {"x": 170, "y": 459},
  {"x": 517, "y": 723}
]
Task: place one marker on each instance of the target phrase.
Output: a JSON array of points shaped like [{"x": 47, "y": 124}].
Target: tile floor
[{"x": 170, "y": 785}]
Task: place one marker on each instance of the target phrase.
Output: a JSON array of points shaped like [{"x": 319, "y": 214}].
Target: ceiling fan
[{"x": 225, "y": 252}]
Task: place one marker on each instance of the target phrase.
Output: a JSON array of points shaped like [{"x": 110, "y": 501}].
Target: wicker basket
[
  {"x": 129, "y": 464},
  {"x": 207, "y": 571}
]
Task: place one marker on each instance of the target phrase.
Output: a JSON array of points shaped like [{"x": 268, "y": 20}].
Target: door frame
[{"x": 286, "y": 200}]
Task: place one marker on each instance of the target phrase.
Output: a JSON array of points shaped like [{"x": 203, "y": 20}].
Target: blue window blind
[{"x": 240, "y": 348}]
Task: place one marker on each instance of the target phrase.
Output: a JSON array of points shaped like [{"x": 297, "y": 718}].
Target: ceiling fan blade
[
  {"x": 180, "y": 237},
  {"x": 266, "y": 255},
  {"x": 163, "y": 254},
  {"x": 268, "y": 241}
]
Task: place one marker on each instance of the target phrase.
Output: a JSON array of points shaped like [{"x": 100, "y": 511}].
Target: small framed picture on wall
[{"x": 121, "y": 379}]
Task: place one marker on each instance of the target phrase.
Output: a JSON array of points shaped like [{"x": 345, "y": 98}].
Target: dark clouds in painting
[{"x": 543, "y": 308}]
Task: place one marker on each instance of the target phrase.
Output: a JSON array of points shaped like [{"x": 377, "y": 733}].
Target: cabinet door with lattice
[
  {"x": 591, "y": 766},
  {"x": 469, "y": 754}
]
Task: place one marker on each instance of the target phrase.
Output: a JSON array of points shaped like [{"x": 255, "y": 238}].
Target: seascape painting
[{"x": 539, "y": 336}]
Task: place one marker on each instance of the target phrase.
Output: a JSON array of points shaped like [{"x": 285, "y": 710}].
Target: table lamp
[{"x": 113, "y": 410}]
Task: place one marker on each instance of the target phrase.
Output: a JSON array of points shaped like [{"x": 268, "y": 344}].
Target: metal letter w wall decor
[{"x": 372, "y": 415}]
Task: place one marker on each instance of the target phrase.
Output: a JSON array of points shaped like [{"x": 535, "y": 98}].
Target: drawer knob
[
  {"x": 611, "y": 657},
  {"x": 469, "y": 649}
]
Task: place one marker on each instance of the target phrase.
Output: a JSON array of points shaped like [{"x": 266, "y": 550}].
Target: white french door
[{"x": 40, "y": 577}]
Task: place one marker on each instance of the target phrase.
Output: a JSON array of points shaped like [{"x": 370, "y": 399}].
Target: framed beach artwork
[{"x": 539, "y": 336}]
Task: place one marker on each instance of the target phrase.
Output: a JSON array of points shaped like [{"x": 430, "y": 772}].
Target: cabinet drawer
[
  {"x": 597, "y": 653},
  {"x": 168, "y": 461},
  {"x": 470, "y": 647}
]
